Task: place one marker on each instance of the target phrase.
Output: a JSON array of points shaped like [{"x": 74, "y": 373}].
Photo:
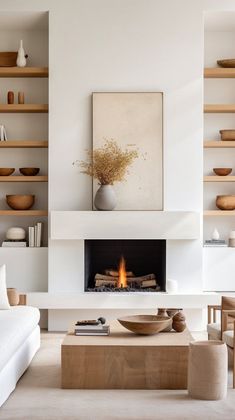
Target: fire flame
[{"x": 122, "y": 282}]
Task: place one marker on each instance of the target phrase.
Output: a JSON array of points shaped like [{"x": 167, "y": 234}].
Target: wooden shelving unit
[
  {"x": 219, "y": 108},
  {"x": 22, "y": 178},
  {"x": 215, "y": 178},
  {"x": 217, "y": 144},
  {"x": 220, "y": 213},
  {"x": 25, "y": 144},
  {"x": 24, "y": 72},
  {"x": 219, "y": 73},
  {"x": 23, "y": 213},
  {"x": 24, "y": 108}
]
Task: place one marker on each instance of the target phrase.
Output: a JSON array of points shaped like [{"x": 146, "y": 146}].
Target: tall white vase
[
  {"x": 105, "y": 198},
  {"x": 21, "y": 60}
]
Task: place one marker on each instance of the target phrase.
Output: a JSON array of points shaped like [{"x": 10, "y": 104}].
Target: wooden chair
[
  {"x": 228, "y": 335},
  {"x": 214, "y": 326}
]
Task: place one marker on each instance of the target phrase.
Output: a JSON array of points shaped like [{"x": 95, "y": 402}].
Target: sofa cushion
[
  {"x": 15, "y": 326},
  {"x": 4, "y": 304},
  {"x": 228, "y": 338},
  {"x": 214, "y": 330}
]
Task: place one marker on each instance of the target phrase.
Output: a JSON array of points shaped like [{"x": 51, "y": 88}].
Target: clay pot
[
  {"x": 179, "y": 323},
  {"x": 10, "y": 97},
  {"x": 171, "y": 312},
  {"x": 13, "y": 296},
  {"x": 29, "y": 171},
  {"x": 20, "y": 202},
  {"x": 225, "y": 202},
  {"x": 163, "y": 312}
]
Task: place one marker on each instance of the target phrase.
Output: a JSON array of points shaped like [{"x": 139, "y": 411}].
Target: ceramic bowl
[
  {"x": 228, "y": 62},
  {"x": 20, "y": 202},
  {"x": 227, "y": 135},
  {"x": 145, "y": 324},
  {"x": 225, "y": 202},
  {"x": 6, "y": 171},
  {"x": 29, "y": 171},
  {"x": 222, "y": 171}
]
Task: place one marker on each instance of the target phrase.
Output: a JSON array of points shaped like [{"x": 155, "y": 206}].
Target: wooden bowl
[
  {"x": 29, "y": 171},
  {"x": 225, "y": 202},
  {"x": 228, "y": 62},
  {"x": 20, "y": 202},
  {"x": 227, "y": 135},
  {"x": 222, "y": 171},
  {"x": 8, "y": 59},
  {"x": 145, "y": 324},
  {"x": 6, "y": 171}
]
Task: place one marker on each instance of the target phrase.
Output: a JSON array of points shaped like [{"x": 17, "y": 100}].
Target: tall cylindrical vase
[{"x": 105, "y": 198}]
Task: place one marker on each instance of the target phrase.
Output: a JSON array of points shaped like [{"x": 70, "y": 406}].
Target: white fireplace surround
[{"x": 80, "y": 225}]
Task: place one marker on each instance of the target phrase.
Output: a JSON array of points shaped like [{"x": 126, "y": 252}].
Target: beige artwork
[{"x": 134, "y": 120}]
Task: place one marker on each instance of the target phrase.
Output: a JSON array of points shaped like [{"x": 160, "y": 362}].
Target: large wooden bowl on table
[
  {"x": 225, "y": 202},
  {"x": 145, "y": 324},
  {"x": 20, "y": 202}
]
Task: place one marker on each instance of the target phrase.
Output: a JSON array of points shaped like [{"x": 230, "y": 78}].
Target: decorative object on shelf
[
  {"x": 13, "y": 296},
  {"x": 21, "y": 57},
  {"x": 231, "y": 240},
  {"x": 227, "y": 135},
  {"x": 10, "y": 97},
  {"x": 225, "y": 202},
  {"x": 171, "y": 312},
  {"x": 29, "y": 171},
  {"x": 127, "y": 117},
  {"x": 163, "y": 313},
  {"x": 20, "y": 202},
  {"x": 8, "y": 59},
  {"x": 6, "y": 171},
  {"x": 222, "y": 171},
  {"x": 179, "y": 323},
  {"x": 108, "y": 165},
  {"x": 171, "y": 286},
  {"x": 215, "y": 235},
  {"x": 145, "y": 324},
  {"x": 228, "y": 62},
  {"x": 3, "y": 133},
  {"x": 16, "y": 234},
  {"x": 20, "y": 97}
]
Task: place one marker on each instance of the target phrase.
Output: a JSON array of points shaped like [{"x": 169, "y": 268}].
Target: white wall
[{"x": 125, "y": 45}]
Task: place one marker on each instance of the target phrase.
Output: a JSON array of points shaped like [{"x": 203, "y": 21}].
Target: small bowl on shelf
[
  {"x": 29, "y": 171},
  {"x": 6, "y": 171},
  {"x": 225, "y": 202},
  {"x": 222, "y": 171},
  {"x": 227, "y": 135},
  {"x": 20, "y": 202},
  {"x": 228, "y": 62}
]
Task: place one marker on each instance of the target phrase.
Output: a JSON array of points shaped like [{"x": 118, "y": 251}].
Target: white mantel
[{"x": 80, "y": 225}]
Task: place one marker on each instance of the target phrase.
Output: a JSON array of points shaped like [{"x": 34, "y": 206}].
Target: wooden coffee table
[{"x": 124, "y": 360}]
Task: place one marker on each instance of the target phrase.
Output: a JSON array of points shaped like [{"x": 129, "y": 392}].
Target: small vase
[
  {"x": 21, "y": 60},
  {"x": 105, "y": 198},
  {"x": 13, "y": 296}
]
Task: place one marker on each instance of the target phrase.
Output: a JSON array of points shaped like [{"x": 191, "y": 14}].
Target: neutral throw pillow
[{"x": 4, "y": 304}]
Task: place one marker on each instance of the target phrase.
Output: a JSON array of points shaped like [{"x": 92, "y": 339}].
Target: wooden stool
[{"x": 207, "y": 370}]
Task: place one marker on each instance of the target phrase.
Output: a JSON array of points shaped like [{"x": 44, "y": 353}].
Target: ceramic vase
[
  {"x": 105, "y": 198},
  {"x": 21, "y": 60},
  {"x": 13, "y": 296}
]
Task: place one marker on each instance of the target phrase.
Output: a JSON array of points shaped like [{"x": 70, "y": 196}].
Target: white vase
[
  {"x": 105, "y": 198},
  {"x": 171, "y": 286},
  {"x": 215, "y": 235},
  {"x": 21, "y": 60}
]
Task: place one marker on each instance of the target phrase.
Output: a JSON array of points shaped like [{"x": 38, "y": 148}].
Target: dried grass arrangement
[{"x": 109, "y": 163}]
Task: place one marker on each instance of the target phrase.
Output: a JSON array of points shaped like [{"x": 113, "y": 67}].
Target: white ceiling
[
  {"x": 219, "y": 21},
  {"x": 23, "y": 20}
]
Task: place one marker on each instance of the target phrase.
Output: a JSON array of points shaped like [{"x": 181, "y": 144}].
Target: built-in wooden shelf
[
  {"x": 219, "y": 72},
  {"x": 24, "y": 144},
  {"x": 23, "y": 212},
  {"x": 22, "y": 108},
  {"x": 216, "y": 178},
  {"x": 214, "y": 144},
  {"x": 211, "y": 213},
  {"x": 22, "y": 178},
  {"x": 23, "y": 71},
  {"x": 219, "y": 108}
]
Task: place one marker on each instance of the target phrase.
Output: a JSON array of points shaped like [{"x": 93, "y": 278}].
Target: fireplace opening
[{"x": 125, "y": 265}]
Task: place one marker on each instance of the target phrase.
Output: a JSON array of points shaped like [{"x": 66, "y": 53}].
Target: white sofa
[{"x": 19, "y": 341}]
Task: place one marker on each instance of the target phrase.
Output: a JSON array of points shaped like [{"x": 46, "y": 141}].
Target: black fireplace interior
[{"x": 145, "y": 259}]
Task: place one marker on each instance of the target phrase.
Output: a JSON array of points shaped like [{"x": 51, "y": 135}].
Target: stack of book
[
  {"x": 10, "y": 243},
  {"x": 35, "y": 235},
  {"x": 215, "y": 243},
  {"x": 92, "y": 329}
]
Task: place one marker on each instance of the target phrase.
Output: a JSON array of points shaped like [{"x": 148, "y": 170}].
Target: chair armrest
[
  {"x": 224, "y": 318},
  {"x": 211, "y": 309}
]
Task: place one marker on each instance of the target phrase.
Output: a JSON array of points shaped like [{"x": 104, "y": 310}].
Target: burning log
[
  {"x": 114, "y": 273},
  {"x": 148, "y": 280}
]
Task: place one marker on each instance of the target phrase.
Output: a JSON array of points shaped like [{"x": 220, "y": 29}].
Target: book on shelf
[
  {"x": 14, "y": 244},
  {"x": 35, "y": 235}
]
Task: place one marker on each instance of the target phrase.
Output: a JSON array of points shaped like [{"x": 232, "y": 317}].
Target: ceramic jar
[
  {"x": 105, "y": 198},
  {"x": 179, "y": 323},
  {"x": 13, "y": 297}
]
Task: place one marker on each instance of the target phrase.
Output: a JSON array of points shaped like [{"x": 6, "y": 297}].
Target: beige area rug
[{"x": 38, "y": 396}]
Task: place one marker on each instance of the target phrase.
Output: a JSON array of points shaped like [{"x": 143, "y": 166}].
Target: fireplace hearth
[{"x": 125, "y": 266}]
